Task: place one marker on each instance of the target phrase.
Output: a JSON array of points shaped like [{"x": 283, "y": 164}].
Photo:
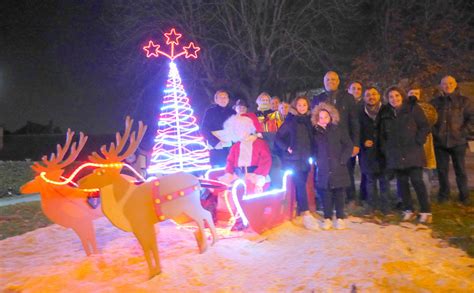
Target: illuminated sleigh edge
[{"x": 261, "y": 211}]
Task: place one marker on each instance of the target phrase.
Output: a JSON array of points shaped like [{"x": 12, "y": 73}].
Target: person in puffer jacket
[
  {"x": 402, "y": 131},
  {"x": 333, "y": 147},
  {"x": 294, "y": 141}
]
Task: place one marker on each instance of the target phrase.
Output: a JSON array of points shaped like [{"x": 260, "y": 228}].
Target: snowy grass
[
  {"x": 452, "y": 222},
  {"x": 455, "y": 223},
  {"x": 364, "y": 258},
  {"x": 13, "y": 174},
  {"x": 21, "y": 218}
]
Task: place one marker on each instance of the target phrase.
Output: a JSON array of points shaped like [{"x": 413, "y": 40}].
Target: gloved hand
[
  {"x": 255, "y": 179},
  {"x": 258, "y": 189},
  {"x": 227, "y": 178}
]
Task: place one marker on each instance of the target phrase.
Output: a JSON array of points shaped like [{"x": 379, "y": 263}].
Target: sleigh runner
[{"x": 261, "y": 211}]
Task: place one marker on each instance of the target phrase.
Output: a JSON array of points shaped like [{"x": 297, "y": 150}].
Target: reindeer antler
[
  {"x": 112, "y": 155},
  {"x": 56, "y": 159}
]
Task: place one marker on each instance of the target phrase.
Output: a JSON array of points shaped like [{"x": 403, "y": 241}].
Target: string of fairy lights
[{"x": 179, "y": 147}]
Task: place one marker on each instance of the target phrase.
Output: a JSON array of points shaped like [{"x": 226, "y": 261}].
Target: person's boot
[
  {"x": 426, "y": 218},
  {"x": 408, "y": 215},
  {"x": 310, "y": 223},
  {"x": 340, "y": 224},
  {"x": 327, "y": 224}
]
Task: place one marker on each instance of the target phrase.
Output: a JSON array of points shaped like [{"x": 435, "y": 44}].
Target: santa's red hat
[{"x": 256, "y": 123}]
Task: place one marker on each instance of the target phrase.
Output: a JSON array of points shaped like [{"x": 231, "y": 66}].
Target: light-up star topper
[
  {"x": 172, "y": 39},
  {"x": 178, "y": 145}
]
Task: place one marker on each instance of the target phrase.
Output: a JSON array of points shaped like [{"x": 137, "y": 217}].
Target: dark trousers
[
  {"x": 415, "y": 175},
  {"x": 299, "y": 179},
  {"x": 458, "y": 157},
  {"x": 351, "y": 191},
  {"x": 363, "y": 187},
  {"x": 333, "y": 198},
  {"x": 378, "y": 195}
]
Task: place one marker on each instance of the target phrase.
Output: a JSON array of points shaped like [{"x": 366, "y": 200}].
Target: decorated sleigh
[{"x": 261, "y": 211}]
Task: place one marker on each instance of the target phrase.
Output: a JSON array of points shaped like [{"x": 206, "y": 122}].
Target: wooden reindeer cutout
[
  {"x": 64, "y": 204},
  {"x": 136, "y": 207}
]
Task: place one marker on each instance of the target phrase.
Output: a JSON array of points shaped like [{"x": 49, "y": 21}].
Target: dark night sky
[
  {"x": 58, "y": 62},
  {"x": 56, "y": 65}
]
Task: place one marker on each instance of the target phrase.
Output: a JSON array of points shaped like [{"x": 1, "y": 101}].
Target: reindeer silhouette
[
  {"x": 64, "y": 204},
  {"x": 136, "y": 207}
]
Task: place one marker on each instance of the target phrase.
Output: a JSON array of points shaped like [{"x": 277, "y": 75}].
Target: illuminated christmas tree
[{"x": 179, "y": 146}]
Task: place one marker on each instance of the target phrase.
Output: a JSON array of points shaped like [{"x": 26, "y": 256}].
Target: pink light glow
[
  {"x": 172, "y": 39},
  {"x": 151, "y": 49}
]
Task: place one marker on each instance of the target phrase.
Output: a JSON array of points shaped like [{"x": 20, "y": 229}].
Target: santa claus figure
[{"x": 249, "y": 157}]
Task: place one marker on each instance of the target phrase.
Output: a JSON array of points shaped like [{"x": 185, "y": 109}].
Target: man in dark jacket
[
  {"x": 355, "y": 89},
  {"x": 347, "y": 109},
  {"x": 212, "y": 122},
  {"x": 455, "y": 126},
  {"x": 371, "y": 164}
]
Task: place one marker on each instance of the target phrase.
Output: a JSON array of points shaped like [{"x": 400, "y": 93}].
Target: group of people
[{"x": 401, "y": 134}]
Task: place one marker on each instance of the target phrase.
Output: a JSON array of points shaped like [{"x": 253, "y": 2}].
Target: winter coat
[
  {"x": 347, "y": 109},
  {"x": 258, "y": 154},
  {"x": 295, "y": 133},
  {"x": 401, "y": 135},
  {"x": 370, "y": 160},
  {"x": 268, "y": 120},
  {"x": 455, "y": 123},
  {"x": 213, "y": 120},
  {"x": 333, "y": 148}
]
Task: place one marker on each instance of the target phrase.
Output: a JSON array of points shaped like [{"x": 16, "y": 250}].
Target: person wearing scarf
[{"x": 370, "y": 160}]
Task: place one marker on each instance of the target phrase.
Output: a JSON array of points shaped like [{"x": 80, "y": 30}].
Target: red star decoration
[
  {"x": 151, "y": 49},
  {"x": 172, "y": 37},
  {"x": 191, "y": 50}
]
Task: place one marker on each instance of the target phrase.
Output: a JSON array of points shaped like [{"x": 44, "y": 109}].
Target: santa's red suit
[{"x": 251, "y": 152}]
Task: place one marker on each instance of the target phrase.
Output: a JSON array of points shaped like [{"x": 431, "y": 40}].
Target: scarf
[
  {"x": 264, "y": 107},
  {"x": 372, "y": 111}
]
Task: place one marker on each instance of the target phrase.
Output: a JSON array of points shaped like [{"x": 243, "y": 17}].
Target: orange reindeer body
[
  {"x": 133, "y": 207},
  {"x": 62, "y": 204},
  {"x": 65, "y": 206}
]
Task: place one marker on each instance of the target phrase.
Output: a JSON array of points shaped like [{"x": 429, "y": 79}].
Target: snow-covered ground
[{"x": 367, "y": 256}]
